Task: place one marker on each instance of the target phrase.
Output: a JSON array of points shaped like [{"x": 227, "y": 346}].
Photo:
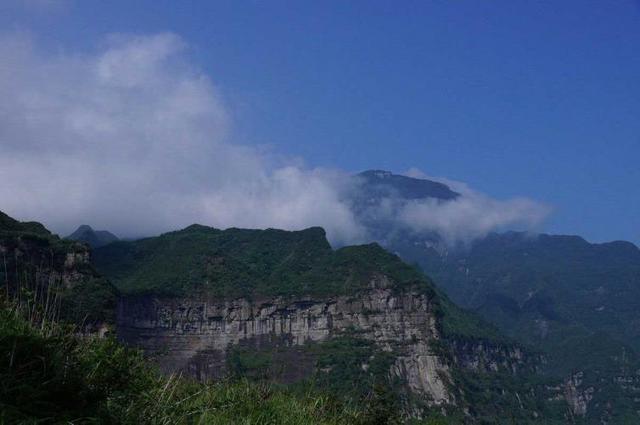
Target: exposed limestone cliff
[
  {"x": 195, "y": 336},
  {"x": 198, "y": 333},
  {"x": 287, "y": 307},
  {"x": 578, "y": 398}
]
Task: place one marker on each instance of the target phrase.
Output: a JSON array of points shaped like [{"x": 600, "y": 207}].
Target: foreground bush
[{"x": 49, "y": 375}]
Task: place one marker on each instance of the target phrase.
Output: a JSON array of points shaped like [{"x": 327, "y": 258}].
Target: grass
[{"x": 50, "y": 375}]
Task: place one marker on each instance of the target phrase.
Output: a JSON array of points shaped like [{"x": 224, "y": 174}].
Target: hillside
[
  {"x": 248, "y": 263},
  {"x": 286, "y": 308},
  {"x": 39, "y": 263},
  {"x": 550, "y": 279},
  {"x": 51, "y": 375},
  {"x": 577, "y": 302}
]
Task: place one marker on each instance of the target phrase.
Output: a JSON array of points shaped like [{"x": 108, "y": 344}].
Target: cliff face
[
  {"x": 285, "y": 307},
  {"x": 32, "y": 256},
  {"x": 37, "y": 266},
  {"x": 198, "y": 336},
  {"x": 199, "y": 333},
  {"x": 35, "y": 261}
]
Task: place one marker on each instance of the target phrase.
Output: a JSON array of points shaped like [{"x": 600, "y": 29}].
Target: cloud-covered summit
[
  {"x": 136, "y": 139},
  {"x": 419, "y": 205}
]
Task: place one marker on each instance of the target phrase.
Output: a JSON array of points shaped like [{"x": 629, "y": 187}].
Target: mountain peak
[
  {"x": 95, "y": 238},
  {"x": 382, "y": 183},
  {"x": 381, "y": 174}
]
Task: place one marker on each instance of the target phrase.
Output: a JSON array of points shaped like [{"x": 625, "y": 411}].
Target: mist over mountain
[
  {"x": 142, "y": 140},
  {"x": 576, "y": 301},
  {"x": 331, "y": 213},
  {"x": 391, "y": 206}
]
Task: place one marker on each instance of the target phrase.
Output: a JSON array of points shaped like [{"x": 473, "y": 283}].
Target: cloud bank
[
  {"x": 471, "y": 215},
  {"x": 136, "y": 139}
]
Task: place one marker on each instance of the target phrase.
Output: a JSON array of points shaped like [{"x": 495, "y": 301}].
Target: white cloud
[
  {"x": 471, "y": 215},
  {"x": 135, "y": 139}
]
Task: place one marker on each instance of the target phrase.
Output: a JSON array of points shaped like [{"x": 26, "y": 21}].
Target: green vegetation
[
  {"x": 352, "y": 366},
  {"x": 10, "y": 226},
  {"x": 248, "y": 263},
  {"x": 458, "y": 323},
  {"x": 576, "y": 302},
  {"x": 49, "y": 375},
  {"x": 519, "y": 282},
  {"x": 346, "y": 365},
  {"x": 54, "y": 271},
  {"x": 257, "y": 263},
  {"x": 505, "y": 398}
]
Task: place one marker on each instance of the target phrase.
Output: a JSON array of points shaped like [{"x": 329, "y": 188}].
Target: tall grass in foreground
[{"x": 50, "y": 375}]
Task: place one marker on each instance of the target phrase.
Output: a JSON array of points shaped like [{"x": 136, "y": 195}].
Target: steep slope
[
  {"x": 551, "y": 279},
  {"x": 49, "y": 374},
  {"x": 38, "y": 264},
  {"x": 95, "y": 238},
  {"x": 578, "y": 302},
  {"x": 285, "y": 307}
]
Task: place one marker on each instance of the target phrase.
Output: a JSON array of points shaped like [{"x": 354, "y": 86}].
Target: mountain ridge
[
  {"x": 250, "y": 300},
  {"x": 574, "y": 299}
]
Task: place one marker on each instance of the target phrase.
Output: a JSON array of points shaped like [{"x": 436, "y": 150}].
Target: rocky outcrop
[
  {"x": 37, "y": 266},
  {"x": 486, "y": 356},
  {"x": 196, "y": 334},
  {"x": 577, "y": 397},
  {"x": 40, "y": 261}
]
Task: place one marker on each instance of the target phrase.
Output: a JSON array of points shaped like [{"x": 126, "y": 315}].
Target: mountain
[
  {"x": 95, "y": 238},
  {"x": 285, "y": 307},
  {"x": 9, "y": 225},
  {"x": 379, "y": 184},
  {"x": 378, "y": 197},
  {"x": 578, "y": 302},
  {"x": 550, "y": 279},
  {"x": 37, "y": 263},
  {"x": 57, "y": 366}
]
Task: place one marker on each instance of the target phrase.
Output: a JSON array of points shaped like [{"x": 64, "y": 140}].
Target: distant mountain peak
[
  {"x": 376, "y": 173},
  {"x": 383, "y": 183},
  {"x": 95, "y": 238}
]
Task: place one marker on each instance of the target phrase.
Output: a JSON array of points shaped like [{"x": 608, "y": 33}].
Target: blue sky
[{"x": 539, "y": 99}]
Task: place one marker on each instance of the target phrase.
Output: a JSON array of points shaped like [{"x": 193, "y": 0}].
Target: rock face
[
  {"x": 33, "y": 261},
  {"x": 42, "y": 261},
  {"x": 288, "y": 308},
  {"x": 577, "y": 398},
  {"x": 197, "y": 334}
]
